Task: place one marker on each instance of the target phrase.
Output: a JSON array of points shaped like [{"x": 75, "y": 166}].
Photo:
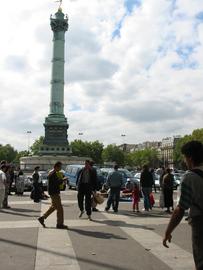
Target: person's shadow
[
  {"x": 96, "y": 234},
  {"x": 119, "y": 223}
]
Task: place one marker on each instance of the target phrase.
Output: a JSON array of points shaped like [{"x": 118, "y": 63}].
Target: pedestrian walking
[
  {"x": 20, "y": 182},
  {"x": 191, "y": 195},
  {"x": 36, "y": 193},
  {"x": 114, "y": 182},
  {"x": 167, "y": 186},
  {"x": 136, "y": 197},
  {"x": 154, "y": 179},
  {"x": 146, "y": 182},
  {"x": 3, "y": 169},
  {"x": 86, "y": 186},
  {"x": 54, "y": 191},
  {"x": 7, "y": 185},
  {"x": 12, "y": 178}
]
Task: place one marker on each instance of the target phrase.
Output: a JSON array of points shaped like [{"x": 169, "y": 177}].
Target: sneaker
[
  {"x": 62, "y": 226},
  {"x": 89, "y": 218},
  {"x": 81, "y": 213},
  {"x": 41, "y": 221}
]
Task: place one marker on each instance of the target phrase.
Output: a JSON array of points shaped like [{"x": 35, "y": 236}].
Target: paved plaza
[{"x": 122, "y": 241}]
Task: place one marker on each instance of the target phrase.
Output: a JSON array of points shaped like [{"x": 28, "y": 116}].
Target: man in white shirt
[{"x": 2, "y": 183}]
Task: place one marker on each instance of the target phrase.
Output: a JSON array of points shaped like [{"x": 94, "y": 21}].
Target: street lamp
[
  {"x": 80, "y": 134},
  {"x": 123, "y": 136},
  {"x": 28, "y": 140},
  {"x": 123, "y": 141}
]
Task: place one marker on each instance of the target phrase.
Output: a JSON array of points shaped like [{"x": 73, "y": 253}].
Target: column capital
[{"x": 59, "y": 23}]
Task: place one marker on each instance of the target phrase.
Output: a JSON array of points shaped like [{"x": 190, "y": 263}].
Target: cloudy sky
[{"x": 133, "y": 67}]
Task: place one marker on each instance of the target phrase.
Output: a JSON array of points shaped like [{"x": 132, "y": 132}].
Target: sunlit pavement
[{"x": 121, "y": 241}]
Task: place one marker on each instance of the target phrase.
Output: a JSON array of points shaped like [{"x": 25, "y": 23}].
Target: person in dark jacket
[
  {"x": 146, "y": 182},
  {"x": 36, "y": 193},
  {"x": 114, "y": 182},
  {"x": 54, "y": 183},
  {"x": 167, "y": 186},
  {"x": 86, "y": 185}
]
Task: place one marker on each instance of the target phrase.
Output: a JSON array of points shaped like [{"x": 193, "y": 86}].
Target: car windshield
[
  {"x": 44, "y": 175},
  {"x": 99, "y": 172},
  {"x": 126, "y": 173}
]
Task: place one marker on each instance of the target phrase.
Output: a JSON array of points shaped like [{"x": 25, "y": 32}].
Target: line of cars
[{"x": 71, "y": 172}]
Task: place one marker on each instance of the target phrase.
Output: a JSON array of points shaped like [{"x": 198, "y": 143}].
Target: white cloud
[{"x": 145, "y": 83}]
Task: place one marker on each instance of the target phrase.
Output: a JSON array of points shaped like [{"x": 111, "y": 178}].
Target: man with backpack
[{"x": 191, "y": 198}]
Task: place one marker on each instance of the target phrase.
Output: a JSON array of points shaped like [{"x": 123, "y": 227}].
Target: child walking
[{"x": 136, "y": 197}]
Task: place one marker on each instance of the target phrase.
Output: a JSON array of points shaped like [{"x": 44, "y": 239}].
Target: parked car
[
  {"x": 177, "y": 179},
  {"x": 28, "y": 183},
  {"x": 125, "y": 173},
  {"x": 157, "y": 179},
  {"x": 71, "y": 172},
  {"x": 101, "y": 178},
  {"x": 43, "y": 179}
]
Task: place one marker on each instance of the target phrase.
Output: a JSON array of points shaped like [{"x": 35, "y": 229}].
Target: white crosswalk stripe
[{"x": 54, "y": 248}]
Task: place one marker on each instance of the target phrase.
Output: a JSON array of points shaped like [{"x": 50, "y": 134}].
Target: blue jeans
[
  {"x": 146, "y": 192},
  {"x": 113, "y": 198}
]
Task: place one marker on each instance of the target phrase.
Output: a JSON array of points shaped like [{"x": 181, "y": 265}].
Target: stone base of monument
[{"x": 27, "y": 164}]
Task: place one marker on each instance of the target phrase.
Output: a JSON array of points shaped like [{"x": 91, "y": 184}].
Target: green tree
[
  {"x": 197, "y": 134},
  {"x": 177, "y": 156},
  {"x": 113, "y": 154},
  {"x": 8, "y": 153},
  {"x": 96, "y": 149},
  {"x": 21, "y": 154},
  {"x": 36, "y": 145},
  {"x": 92, "y": 150},
  {"x": 147, "y": 156}
]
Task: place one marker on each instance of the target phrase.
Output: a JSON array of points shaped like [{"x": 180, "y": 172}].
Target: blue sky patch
[
  {"x": 130, "y": 4},
  {"x": 180, "y": 66},
  {"x": 75, "y": 108},
  {"x": 16, "y": 63},
  {"x": 185, "y": 51},
  {"x": 199, "y": 16}
]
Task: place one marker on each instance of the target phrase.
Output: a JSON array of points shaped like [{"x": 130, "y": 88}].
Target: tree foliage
[
  {"x": 147, "y": 156},
  {"x": 19, "y": 155},
  {"x": 36, "y": 145},
  {"x": 113, "y": 154},
  {"x": 197, "y": 134},
  {"x": 87, "y": 149},
  {"x": 7, "y": 152}
]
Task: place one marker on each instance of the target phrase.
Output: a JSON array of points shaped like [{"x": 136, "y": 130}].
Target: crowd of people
[{"x": 8, "y": 176}]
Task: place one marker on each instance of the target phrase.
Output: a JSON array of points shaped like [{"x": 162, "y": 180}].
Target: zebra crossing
[{"x": 56, "y": 250}]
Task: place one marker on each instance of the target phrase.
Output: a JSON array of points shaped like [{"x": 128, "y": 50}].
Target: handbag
[{"x": 98, "y": 198}]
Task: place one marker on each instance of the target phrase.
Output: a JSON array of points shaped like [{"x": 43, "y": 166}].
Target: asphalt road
[{"x": 122, "y": 241}]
